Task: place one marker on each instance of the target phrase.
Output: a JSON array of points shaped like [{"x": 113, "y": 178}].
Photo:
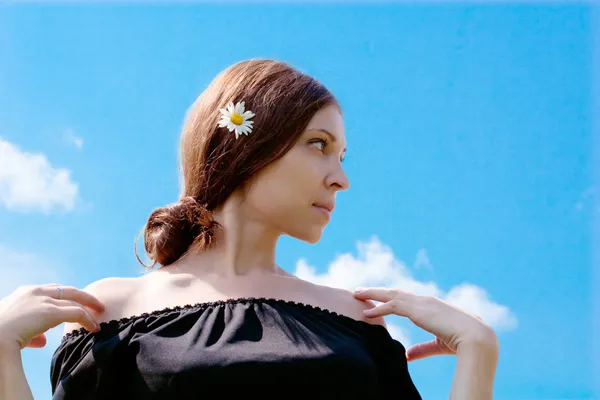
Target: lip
[
  {"x": 325, "y": 208},
  {"x": 328, "y": 206},
  {"x": 323, "y": 211}
]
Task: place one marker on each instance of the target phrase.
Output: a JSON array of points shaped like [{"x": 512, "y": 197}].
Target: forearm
[
  {"x": 13, "y": 382},
  {"x": 475, "y": 371}
]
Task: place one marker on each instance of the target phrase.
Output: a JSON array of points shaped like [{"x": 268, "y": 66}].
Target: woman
[{"x": 261, "y": 156}]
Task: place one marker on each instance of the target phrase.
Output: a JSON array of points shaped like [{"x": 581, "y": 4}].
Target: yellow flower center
[{"x": 237, "y": 119}]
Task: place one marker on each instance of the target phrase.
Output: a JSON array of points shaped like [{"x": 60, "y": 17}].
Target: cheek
[
  {"x": 303, "y": 168},
  {"x": 275, "y": 194},
  {"x": 286, "y": 186}
]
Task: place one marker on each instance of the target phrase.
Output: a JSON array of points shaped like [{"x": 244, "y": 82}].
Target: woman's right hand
[{"x": 29, "y": 311}]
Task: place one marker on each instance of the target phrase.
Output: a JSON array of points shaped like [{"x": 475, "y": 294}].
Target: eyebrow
[{"x": 331, "y": 135}]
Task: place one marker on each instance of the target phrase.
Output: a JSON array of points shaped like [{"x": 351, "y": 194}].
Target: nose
[{"x": 338, "y": 180}]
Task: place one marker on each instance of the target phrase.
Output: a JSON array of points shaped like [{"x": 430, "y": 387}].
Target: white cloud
[
  {"x": 71, "y": 138},
  {"x": 28, "y": 182},
  {"x": 399, "y": 333},
  {"x": 376, "y": 265},
  {"x": 475, "y": 300}
]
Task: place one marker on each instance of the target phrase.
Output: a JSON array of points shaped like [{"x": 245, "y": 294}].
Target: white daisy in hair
[{"x": 235, "y": 118}]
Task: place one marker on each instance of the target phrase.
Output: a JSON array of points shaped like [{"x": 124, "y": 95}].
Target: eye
[{"x": 320, "y": 143}]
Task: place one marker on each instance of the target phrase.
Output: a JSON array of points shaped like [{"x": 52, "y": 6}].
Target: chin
[{"x": 311, "y": 236}]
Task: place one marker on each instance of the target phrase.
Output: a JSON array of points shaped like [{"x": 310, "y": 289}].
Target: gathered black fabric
[{"x": 252, "y": 347}]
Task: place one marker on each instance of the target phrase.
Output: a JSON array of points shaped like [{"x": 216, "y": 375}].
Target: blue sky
[{"x": 470, "y": 158}]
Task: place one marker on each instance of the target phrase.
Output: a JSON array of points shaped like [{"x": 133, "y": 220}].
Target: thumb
[
  {"x": 426, "y": 349},
  {"x": 38, "y": 342}
]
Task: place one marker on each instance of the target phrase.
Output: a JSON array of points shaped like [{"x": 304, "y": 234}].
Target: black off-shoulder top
[{"x": 259, "y": 348}]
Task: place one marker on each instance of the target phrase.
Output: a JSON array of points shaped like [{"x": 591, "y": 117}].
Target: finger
[
  {"x": 424, "y": 350},
  {"x": 378, "y": 294},
  {"x": 71, "y": 303},
  {"x": 77, "y": 295},
  {"x": 79, "y": 315},
  {"x": 391, "y": 307},
  {"x": 38, "y": 342},
  {"x": 68, "y": 303}
]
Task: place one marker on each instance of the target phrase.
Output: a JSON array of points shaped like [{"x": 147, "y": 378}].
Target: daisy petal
[
  {"x": 239, "y": 108},
  {"x": 248, "y": 115}
]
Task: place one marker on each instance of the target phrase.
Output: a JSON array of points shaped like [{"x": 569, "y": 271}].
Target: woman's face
[{"x": 296, "y": 194}]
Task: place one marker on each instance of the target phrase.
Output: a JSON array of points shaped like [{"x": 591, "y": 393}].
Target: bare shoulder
[
  {"x": 114, "y": 293},
  {"x": 344, "y": 302}
]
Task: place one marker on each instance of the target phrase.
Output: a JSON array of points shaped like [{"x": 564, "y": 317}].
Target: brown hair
[{"x": 214, "y": 163}]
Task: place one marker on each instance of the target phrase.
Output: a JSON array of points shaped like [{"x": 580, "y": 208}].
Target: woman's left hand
[{"x": 450, "y": 325}]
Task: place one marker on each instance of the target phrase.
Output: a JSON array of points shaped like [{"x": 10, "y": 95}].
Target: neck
[{"x": 243, "y": 246}]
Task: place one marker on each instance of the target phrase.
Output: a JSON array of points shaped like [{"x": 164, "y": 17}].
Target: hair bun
[{"x": 172, "y": 230}]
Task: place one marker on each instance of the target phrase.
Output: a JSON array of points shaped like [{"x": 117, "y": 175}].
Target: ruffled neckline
[{"x": 211, "y": 304}]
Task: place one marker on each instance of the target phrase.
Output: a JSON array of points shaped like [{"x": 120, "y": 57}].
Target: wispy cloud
[
  {"x": 376, "y": 265},
  {"x": 20, "y": 268},
  {"x": 586, "y": 198},
  {"x": 28, "y": 182},
  {"x": 422, "y": 260},
  {"x": 71, "y": 138},
  {"x": 23, "y": 268}
]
